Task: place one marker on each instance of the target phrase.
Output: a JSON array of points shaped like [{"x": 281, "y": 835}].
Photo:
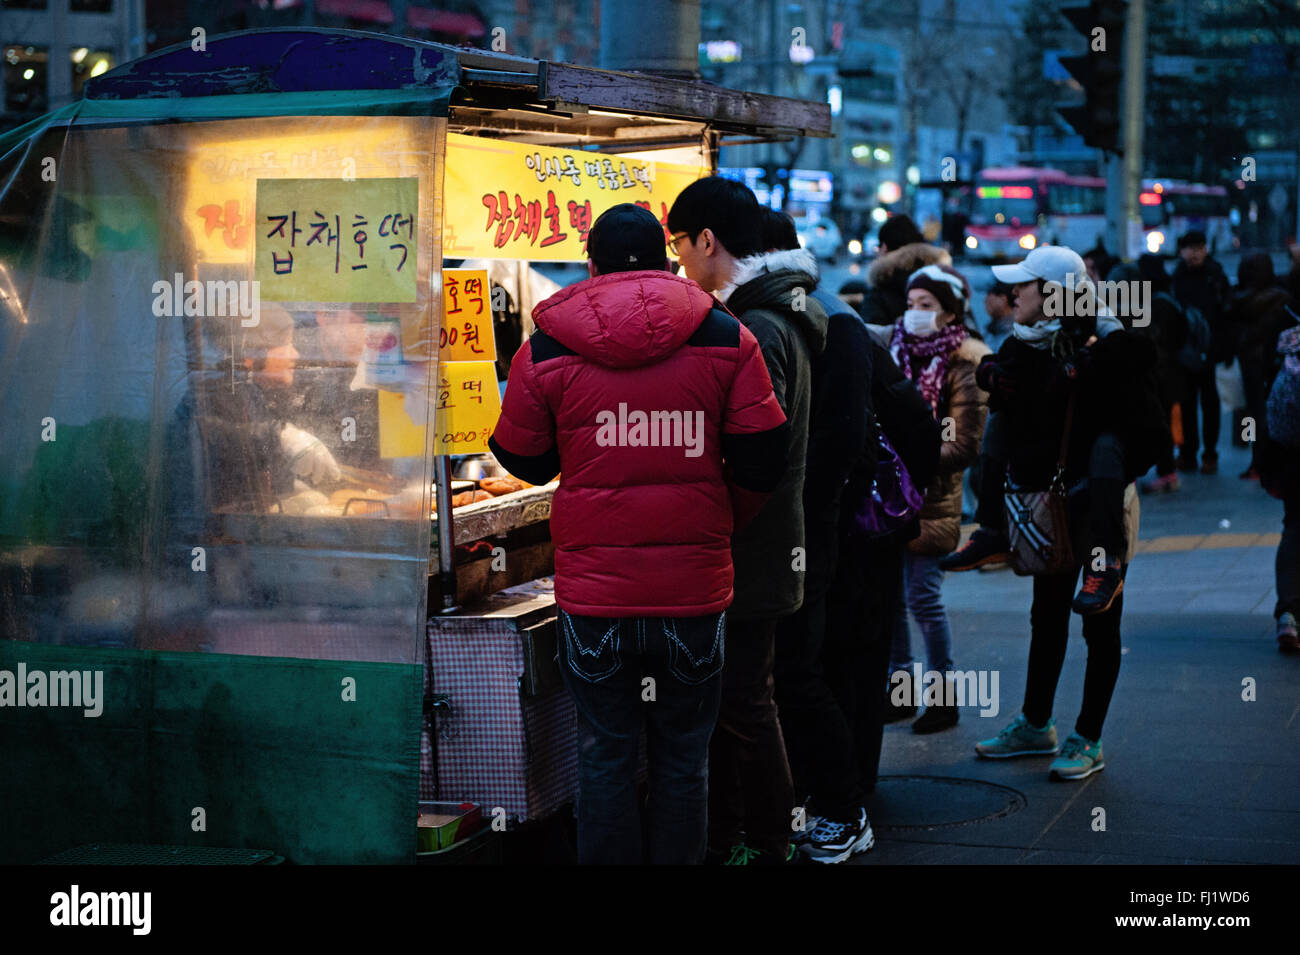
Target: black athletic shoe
[
  {"x": 833, "y": 842},
  {"x": 1288, "y": 634},
  {"x": 936, "y": 719},
  {"x": 984, "y": 547},
  {"x": 1099, "y": 590},
  {"x": 896, "y": 714}
]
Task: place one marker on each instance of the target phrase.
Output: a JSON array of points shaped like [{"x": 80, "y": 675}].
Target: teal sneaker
[
  {"x": 1078, "y": 759},
  {"x": 1020, "y": 739}
]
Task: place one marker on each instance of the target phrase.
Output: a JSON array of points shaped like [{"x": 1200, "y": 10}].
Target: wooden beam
[
  {"x": 521, "y": 81},
  {"x": 733, "y": 110}
]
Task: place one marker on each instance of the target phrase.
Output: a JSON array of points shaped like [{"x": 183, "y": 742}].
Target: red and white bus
[
  {"x": 1169, "y": 208},
  {"x": 1017, "y": 209}
]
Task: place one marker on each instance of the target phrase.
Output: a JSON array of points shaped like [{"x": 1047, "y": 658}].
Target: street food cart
[{"x": 254, "y": 300}]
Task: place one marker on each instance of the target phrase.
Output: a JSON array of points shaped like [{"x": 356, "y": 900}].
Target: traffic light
[{"x": 1100, "y": 71}]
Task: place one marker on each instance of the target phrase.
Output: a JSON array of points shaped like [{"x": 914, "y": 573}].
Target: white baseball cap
[{"x": 1050, "y": 263}]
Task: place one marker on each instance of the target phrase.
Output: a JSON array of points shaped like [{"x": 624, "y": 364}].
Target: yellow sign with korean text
[
  {"x": 467, "y": 405},
  {"x": 336, "y": 240},
  {"x": 466, "y": 328},
  {"x": 519, "y": 201},
  {"x": 225, "y": 166}
]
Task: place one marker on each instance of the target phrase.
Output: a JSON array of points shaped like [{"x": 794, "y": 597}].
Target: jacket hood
[
  {"x": 772, "y": 280},
  {"x": 894, "y": 268},
  {"x": 625, "y": 319},
  {"x": 751, "y": 267}
]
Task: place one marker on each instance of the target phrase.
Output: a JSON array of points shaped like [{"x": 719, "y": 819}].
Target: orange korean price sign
[{"x": 465, "y": 332}]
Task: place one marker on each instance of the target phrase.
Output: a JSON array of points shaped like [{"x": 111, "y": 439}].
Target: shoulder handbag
[
  {"x": 1283, "y": 405},
  {"x": 1038, "y": 522},
  {"x": 894, "y": 500}
]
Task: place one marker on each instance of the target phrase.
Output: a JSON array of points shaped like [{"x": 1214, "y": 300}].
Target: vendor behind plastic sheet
[
  {"x": 328, "y": 402},
  {"x": 252, "y": 451}
]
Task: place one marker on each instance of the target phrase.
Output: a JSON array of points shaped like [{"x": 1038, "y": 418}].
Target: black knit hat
[
  {"x": 898, "y": 231},
  {"x": 627, "y": 238},
  {"x": 945, "y": 283}
]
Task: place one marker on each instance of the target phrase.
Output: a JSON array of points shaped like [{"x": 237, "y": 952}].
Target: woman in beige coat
[{"x": 936, "y": 351}]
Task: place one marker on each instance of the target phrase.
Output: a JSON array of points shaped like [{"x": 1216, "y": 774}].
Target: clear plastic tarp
[{"x": 216, "y": 343}]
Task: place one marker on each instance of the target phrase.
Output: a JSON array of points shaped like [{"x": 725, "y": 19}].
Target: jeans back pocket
[
  {"x": 591, "y": 646},
  {"x": 695, "y": 647}
]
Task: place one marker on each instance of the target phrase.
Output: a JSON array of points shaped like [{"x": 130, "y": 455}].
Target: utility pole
[
  {"x": 1112, "y": 74},
  {"x": 912, "y": 105},
  {"x": 1124, "y": 171},
  {"x": 772, "y": 168},
  {"x": 1135, "y": 116},
  {"x": 671, "y": 48}
]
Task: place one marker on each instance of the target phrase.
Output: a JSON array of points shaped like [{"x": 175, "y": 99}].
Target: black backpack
[{"x": 1195, "y": 353}]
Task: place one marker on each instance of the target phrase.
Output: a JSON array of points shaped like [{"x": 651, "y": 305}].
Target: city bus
[
  {"x": 1169, "y": 208},
  {"x": 1017, "y": 209}
]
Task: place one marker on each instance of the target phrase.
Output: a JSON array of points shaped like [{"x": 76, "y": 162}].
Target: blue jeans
[
  {"x": 923, "y": 587},
  {"x": 660, "y": 674}
]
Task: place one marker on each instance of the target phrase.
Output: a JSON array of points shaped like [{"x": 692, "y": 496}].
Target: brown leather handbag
[{"x": 1038, "y": 522}]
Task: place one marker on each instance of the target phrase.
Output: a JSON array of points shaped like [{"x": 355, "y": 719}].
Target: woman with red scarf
[{"x": 935, "y": 350}]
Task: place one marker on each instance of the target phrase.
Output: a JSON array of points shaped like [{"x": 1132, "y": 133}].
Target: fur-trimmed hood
[
  {"x": 751, "y": 267},
  {"x": 894, "y": 268},
  {"x": 780, "y": 282}
]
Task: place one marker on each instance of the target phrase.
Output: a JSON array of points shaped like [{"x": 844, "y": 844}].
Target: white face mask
[{"x": 919, "y": 323}]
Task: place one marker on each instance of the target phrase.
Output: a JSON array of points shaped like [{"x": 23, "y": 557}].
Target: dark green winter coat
[{"x": 773, "y": 299}]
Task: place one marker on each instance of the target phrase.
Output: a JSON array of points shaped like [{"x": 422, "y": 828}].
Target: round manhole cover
[{"x": 936, "y": 802}]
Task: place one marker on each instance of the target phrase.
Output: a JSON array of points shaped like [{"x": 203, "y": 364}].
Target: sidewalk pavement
[{"x": 1194, "y": 774}]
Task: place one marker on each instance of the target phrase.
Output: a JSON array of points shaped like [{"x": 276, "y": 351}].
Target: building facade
[{"x": 51, "y": 47}]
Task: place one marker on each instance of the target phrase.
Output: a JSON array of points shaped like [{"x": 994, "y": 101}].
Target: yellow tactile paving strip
[
  {"x": 1175, "y": 543},
  {"x": 1180, "y": 542}
]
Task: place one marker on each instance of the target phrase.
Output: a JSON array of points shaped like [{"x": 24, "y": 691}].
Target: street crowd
[{"x": 743, "y": 611}]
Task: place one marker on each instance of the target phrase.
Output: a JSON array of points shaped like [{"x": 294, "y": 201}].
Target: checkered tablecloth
[{"x": 497, "y": 748}]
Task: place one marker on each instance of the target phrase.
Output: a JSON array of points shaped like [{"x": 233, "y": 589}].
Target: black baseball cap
[{"x": 627, "y": 238}]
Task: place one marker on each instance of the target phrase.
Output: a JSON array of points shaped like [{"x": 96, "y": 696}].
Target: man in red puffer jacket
[{"x": 655, "y": 404}]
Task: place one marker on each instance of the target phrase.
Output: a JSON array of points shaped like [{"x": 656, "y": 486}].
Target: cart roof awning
[{"x": 302, "y": 71}]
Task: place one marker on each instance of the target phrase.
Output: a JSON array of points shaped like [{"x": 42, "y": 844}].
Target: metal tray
[{"x": 474, "y": 522}]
